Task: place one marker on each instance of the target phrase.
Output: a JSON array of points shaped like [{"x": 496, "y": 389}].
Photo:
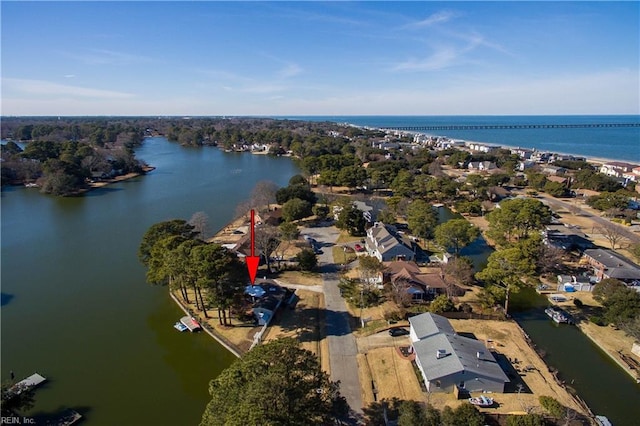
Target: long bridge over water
[{"x": 509, "y": 126}]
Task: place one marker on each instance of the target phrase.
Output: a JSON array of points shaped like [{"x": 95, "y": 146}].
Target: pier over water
[{"x": 509, "y": 126}]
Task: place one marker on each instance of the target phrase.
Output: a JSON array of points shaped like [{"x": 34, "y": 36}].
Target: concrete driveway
[{"x": 382, "y": 340}]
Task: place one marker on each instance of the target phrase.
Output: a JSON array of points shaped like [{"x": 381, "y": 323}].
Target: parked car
[
  {"x": 358, "y": 247},
  {"x": 395, "y": 332}
]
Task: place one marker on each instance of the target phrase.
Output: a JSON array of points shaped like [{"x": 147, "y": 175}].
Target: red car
[{"x": 358, "y": 247}]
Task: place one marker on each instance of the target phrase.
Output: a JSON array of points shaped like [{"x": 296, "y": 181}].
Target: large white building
[{"x": 447, "y": 360}]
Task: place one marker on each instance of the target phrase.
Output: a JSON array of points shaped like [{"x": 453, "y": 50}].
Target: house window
[
  {"x": 461, "y": 386},
  {"x": 438, "y": 384}
]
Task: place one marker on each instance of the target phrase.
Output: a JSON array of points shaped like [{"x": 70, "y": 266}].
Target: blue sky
[{"x": 320, "y": 58}]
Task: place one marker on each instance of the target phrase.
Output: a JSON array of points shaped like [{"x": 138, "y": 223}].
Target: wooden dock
[
  {"x": 69, "y": 417},
  {"x": 30, "y": 382}
]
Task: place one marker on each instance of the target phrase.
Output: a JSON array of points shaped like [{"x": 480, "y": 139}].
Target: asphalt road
[
  {"x": 342, "y": 343},
  {"x": 559, "y": 204}
]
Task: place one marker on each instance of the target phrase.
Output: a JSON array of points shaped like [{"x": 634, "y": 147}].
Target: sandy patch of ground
[
  {"x": 391, "y": 376},
  {"x": 302, "y": 323},
  {"x": 300, "y": 278}
]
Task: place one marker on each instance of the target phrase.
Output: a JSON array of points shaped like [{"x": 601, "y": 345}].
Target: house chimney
[
  {"x": 441, "y": 353},
  {"x": 479, "y": 355}
]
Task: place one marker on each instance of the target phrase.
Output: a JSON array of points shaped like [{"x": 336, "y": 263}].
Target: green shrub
[
  {"x": 526, "y": 420},
  {"x": 596, "y": 320},
  {"x": 554, "y": 407}
]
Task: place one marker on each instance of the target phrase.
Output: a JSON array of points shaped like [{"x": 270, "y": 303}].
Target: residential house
[
  {"x": 480, "y": 147},
  {"x": 497, "y": 193},
  {"x": 635, "y": 174},
  {"x": 523, "y": 153},
  {"x": 524, "y": 165},
  {"x": 385, "y": 145},
  {"x": 386, "y": 244},
  {"x": 616, "y": 168},
  {"x": 267, "y": 298},
  {"x": 559, "y": 179},
  {"x": 565, "y": 238},
  {"x": 418, "y": 283},
  {"x": 482, "y": 166},
  {"x": 609, "y": 264},
  {"x": 368, "y": 211},
  {"x": 550, "y": 170},
  {"x": 447, "y": 360}
]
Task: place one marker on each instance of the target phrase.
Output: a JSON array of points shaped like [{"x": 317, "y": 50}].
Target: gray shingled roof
[
  {"x": 386, "y": 241},
  {"x": 428, "y": 324},
  {"x": 436, "y": 334},
  {"x": 462, "y": 355}
]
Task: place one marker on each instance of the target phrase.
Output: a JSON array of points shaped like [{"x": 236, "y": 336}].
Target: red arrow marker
[{"x": 253, "y": 260}]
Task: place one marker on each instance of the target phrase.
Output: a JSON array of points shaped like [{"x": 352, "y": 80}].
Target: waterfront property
[
  {"x": 386, "y": 244},
  {"x": 609, "y": 264},
  {"x": 267, "y": 298},
  {"x": 418, "y": 283},
  {"x": 447, "y": 360}
]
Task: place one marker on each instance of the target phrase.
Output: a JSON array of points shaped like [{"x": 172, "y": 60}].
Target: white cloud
[
  {"x": 46, "y": 88},
  {"x": 444, "y": 57},
  {"x": 290, "y": 70},
  {"x": 106, "y": 57},
  {"x": 611, "y": 92},
  {"x": 436, "y": 18},
  {"x": 69, "y": 76}
]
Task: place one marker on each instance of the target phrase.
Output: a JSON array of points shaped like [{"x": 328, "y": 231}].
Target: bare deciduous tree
[
  {"x": 612, "y": 233},
  {"x": 266, "y": 240},
  {"x": 200, "y": 223},
  {"x": 263, "y": 195}
]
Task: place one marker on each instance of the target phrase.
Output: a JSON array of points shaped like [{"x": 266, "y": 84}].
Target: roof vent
[
  {"x": 441, "y": 353},
  {"x": 479, "y": 355}
]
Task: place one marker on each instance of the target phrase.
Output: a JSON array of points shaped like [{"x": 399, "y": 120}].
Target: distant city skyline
[{"x": 320, "y": 58}]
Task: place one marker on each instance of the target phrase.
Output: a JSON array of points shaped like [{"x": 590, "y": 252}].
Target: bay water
[
  {"x": 76, "y": 307},
  {"x": 75, "y": 304}
]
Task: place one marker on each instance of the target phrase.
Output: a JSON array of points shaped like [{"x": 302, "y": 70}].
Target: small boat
[
  {"x": 481, "y": 401},
  {"x": 557, "y": 316},
  {"x": 603, "y": 421},
  {"x": 180, "y": 326}
]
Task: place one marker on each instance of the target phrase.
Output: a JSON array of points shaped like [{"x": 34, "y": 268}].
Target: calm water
[
  {"x": 478, "y": 251},
  {"x": 75, "y": 304},
  {"x": 76, "y": 308},
  {"x": 618, "y": 143},
  {"x": 597, "y": 379}
]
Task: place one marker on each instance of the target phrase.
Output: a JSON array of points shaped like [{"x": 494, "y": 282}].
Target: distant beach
[{"x": 596, "y": 144}]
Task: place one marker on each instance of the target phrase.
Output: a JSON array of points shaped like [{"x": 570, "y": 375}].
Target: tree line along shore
[{"x": 409, "y": 177}]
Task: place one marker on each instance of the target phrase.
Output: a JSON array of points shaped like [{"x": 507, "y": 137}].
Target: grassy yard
[{"x": 342, "y": 257}]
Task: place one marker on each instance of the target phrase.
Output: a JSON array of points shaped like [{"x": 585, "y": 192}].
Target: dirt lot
[{"x": 393, "y": 374}]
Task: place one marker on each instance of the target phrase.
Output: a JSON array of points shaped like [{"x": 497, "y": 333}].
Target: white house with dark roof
[
  {"x": 447, "y": 360},
  {"x": 384, "y": 243}
]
